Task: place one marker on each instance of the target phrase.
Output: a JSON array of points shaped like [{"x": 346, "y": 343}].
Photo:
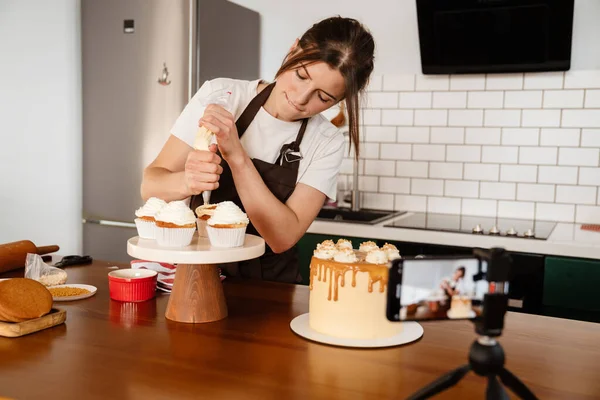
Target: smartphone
[{"x": 436, "y": 288}]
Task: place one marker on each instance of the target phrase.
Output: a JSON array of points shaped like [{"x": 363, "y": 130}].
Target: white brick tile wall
[
  {"x": 502, "y": 118},
  {"x": 518, "y": 173},
  {"x": 582, "y": 79},
  {"x": 507, "y": 145},
  {"x": 431, "y": 117},
  {"x": 463, "y": 153},
  {"x": 482, "y": 136},
  {"x": 399, "y": 82},
  {"x": 461, "y": 189},
  {"x": 560, "y": 137},
  {"x": 397, "y": 117},
  {"x": 447, "y": 135},
  {"x": 449, "y": 99},
  {"x": 380, "y": 134},
  {"x": 500, "y": 154},
  {"x": 445, "y": 170},
  {"x": 541, "y": 118},
  {"x": 523, "y": 99},
  {"x": 581, "y": 118},
  {"x": 496, "y": 190},
  {"x": 575, "y": 156},
  {"x": 535, "y": 192},
  {"x": 545, "y": 80},
  {"x": 380, "y": 168},
  {"x": 432, "y": 82},
  {"x": 592, "y": 99},
  {"x": 564, "y": 175},
  {"x": 415, "y": 99},
  {"x": 429, "y": 152},
  {"x": 590, "y": 138},
  {"x": 465, "y": 118},
  {"x": 520, "y": 136},
  {"x": 555, "y": 212},
  {"x": 589, "y": 176},
  {"x": 587, "y": 215},
  {"x": 482, "y": 208},
  {"x": 392, "y": 151},
  {"x": 486, "y": 99},
  {"x": 412, "y": 169},
  {"x": 443, "y": 205},
  {"x": 410, "y": 203},
  {"x": 563, "y": 98},
  {"x": 516, "y": 209},
  {"x": 504, "y": 82},
  {"x": 427, "y": 187},
  {"x": 467, "y": 82},
  {"x": 413, "y": 134},
  {"x": 394, "y": 185},
  {"x": 576, "y": 194},
  {"x": 538, "y": 155},
  {"x": 482, "y": 172}
]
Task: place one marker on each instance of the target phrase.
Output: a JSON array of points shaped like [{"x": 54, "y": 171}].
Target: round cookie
[{"x": 23, "y": 299}]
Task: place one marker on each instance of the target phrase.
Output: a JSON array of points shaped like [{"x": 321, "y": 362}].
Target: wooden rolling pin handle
[{"x": 47, "y": 249}]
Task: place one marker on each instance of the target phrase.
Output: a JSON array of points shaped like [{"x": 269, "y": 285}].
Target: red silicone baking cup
[{"x": 131, "y": 289}]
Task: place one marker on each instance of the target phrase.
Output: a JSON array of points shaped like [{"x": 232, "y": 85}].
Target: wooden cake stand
[{"x": 197, "y": 294}]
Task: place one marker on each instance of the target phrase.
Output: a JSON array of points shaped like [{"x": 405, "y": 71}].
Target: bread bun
[{"x": 23, "y": 299}]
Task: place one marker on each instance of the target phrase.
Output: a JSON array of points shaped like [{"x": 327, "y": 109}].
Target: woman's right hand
[{"x": 202, "y": 170}]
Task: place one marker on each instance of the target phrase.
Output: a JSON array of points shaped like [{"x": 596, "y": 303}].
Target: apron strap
[{"x": 289, "y": 155}]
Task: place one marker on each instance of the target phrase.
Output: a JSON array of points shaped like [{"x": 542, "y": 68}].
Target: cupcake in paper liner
[
  {"x": 145, "y": 221},
  {"x": 227, "y": 226},
  {"x": 175, "y": 225},
  {"x": 203, "y": 213}
]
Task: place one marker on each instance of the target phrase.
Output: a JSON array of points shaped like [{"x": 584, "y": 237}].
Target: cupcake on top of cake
[{"x": 145, "y": 221}]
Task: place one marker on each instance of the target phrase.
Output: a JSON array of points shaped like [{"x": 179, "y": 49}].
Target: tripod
[{"x": 486, "y": 358}]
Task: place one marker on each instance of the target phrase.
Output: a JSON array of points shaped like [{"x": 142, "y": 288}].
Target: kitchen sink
[{"x": 364, "y": 216}]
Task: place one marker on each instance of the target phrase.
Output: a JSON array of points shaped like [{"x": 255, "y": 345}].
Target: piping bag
[{"x": 204, "y": 137}]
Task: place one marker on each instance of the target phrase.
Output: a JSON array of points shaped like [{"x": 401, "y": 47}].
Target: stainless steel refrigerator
[{"x": 141, "y": 62}]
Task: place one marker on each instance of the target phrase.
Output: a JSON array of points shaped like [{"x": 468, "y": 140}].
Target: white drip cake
[{"x": 348, "y": 290}]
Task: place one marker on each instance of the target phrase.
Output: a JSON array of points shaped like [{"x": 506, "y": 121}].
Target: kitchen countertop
[
  {"x": 109, "y": 349},
  {"x": 566, "y": 240}
]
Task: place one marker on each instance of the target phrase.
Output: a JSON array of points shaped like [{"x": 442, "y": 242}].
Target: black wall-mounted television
[{"x": 494, "y": 36}]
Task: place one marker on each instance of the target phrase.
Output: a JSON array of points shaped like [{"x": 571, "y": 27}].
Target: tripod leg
[
  {"x": 514, "y": 384},
  {"x": 442, "y": 383},
  {"x": 495, "y": 391}
]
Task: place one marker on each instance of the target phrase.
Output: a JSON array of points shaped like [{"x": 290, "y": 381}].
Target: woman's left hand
[{"x": 220, "y": 122}]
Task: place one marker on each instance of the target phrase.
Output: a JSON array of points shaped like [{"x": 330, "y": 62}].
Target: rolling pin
[{"x": 13, "y": 255}]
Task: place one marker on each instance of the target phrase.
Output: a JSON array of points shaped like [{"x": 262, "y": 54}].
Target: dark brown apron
[{"x": 280, "y": 178}]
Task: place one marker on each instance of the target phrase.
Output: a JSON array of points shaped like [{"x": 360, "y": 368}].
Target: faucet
[{"x": 354, "y": 197}]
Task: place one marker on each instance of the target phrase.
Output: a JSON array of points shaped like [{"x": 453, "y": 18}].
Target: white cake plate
[
  {"x": 197, "y": 294},
  {"x": 411, "y": 331}
]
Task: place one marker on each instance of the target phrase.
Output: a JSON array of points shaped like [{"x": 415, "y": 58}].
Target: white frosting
[
  {"x": 176, "y": 212},
  {"x": 345, "y": 256},
  {"x": 203, "y": 139},
  {"x": 152, "y": 206},
  {"x": 344, "y": 244},
  {"x": 368, "y": 246},
  {"x": 376, "y": 257},
  {"x": 228, "y": 213},
  {"x": 325, "y": 253},
  {"x": 391, "y": 251}
]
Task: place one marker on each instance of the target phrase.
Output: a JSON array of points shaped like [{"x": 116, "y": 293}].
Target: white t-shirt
[{"x": 322, "y": 146}]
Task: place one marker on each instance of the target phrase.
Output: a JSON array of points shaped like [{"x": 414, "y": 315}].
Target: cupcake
[
  {"x": 145, "y": 222},
  {"x": 175, "y": 225},
  {"x": 204, "y": 213},
  {"x": 227, "y": 226}
]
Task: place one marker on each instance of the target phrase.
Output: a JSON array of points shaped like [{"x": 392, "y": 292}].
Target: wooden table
[{"x": 111, "y": 350}]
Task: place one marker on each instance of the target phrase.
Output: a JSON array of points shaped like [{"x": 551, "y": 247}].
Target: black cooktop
[{"x": 492, "y": 226}]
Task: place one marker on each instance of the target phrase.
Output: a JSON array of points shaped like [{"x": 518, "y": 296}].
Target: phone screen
[{"x": 436, "y": 288}]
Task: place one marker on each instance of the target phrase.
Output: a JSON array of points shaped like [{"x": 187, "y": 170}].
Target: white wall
[
  {"x": 40, "y": 123},
  {"x": 394, "y": 27}
]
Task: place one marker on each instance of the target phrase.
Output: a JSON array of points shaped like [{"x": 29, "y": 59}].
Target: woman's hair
[{"x": 346, "y": 45}]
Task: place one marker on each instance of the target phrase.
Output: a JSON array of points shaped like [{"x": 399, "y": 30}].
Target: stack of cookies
[{"x": 22, "y": 299}]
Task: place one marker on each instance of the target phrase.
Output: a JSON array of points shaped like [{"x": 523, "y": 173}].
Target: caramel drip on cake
[{"x": 337, "y": 272}]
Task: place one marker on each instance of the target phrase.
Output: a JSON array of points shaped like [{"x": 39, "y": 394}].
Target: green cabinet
[{"x": 572, "y": 283}]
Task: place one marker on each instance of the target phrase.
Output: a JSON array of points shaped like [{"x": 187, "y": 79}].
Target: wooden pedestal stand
[{"x": 197, "y": 294}]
